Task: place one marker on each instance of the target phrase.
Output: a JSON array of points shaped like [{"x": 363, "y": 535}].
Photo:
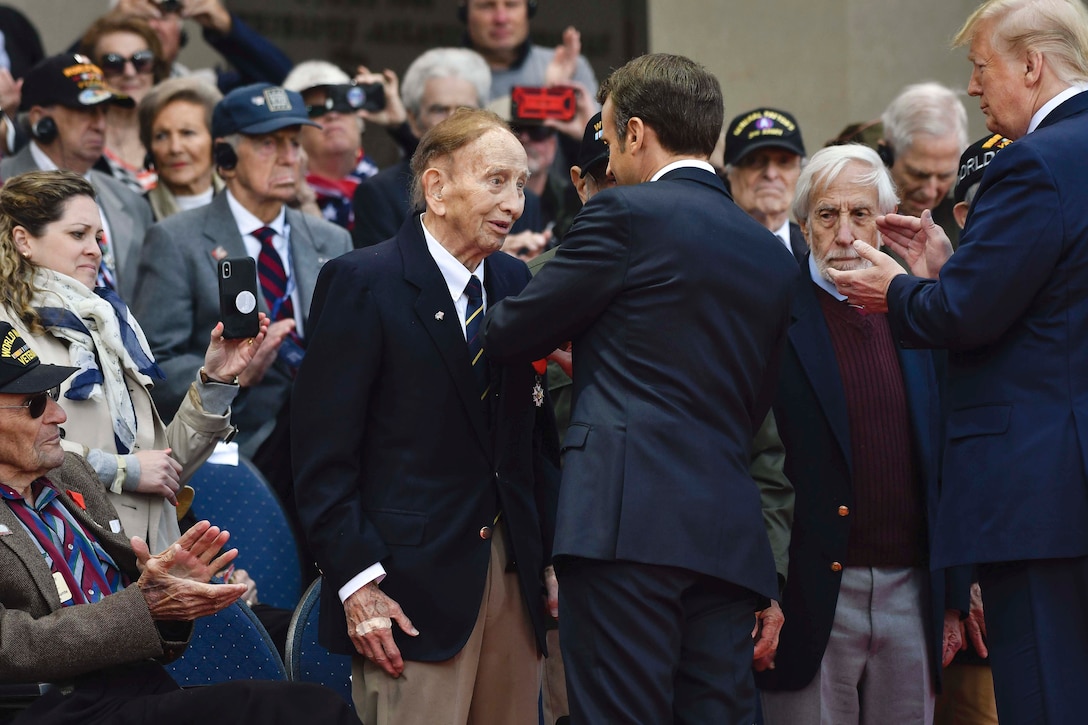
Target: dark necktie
[
  {"x": 273, "y": 277},
  {"x": 474, "y": 317}
]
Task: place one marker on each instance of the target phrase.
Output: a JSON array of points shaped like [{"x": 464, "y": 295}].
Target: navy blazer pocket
[
  {"x": 576, "y": 436},
  {"x": 399, "y": 528},
  {"x": 981, "y": 420}
]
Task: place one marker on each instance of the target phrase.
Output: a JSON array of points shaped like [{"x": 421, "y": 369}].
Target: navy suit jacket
[
  {"x": 677, "y": 304},
  {"x": 810, "y": 409},
  {"x": 1011, "y": 306},
  {"x": 393, "y": 457}
]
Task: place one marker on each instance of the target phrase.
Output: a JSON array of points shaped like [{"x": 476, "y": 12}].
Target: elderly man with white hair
[
  {"x": 863, "y": 640},
  {"x": 1011, "y": 307}
]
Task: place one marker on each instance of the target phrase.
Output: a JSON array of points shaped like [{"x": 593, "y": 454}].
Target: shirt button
[
  {"x": 836, "y": 566},
  {"x": 70, "y": 547},
  {"x": 844, "y": 510},
  {"x": 485, "y": 532}
]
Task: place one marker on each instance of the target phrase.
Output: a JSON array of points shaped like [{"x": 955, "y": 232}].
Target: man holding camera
[{"x": 256, "y": 130}]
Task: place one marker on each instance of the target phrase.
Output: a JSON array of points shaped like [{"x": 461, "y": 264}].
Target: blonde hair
[{"x": 33, "y": 200}]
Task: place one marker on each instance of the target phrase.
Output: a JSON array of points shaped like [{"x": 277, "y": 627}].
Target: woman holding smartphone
[{"x": 49, "y": 255}]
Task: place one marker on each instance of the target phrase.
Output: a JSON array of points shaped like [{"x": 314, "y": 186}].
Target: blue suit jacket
[
  {"x": 1011, "y": 306},
  {"x": 677, "y": 304},
  {"x": 393, "y": 457},
  {"x": 810, "y": 409}
]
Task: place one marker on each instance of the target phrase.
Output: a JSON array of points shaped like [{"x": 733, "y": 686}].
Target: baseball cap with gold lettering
[
  {"x": 71, "y": 80},
  {"x": 974, "y": 160},
  {"x": 20, "y": 369},
  {"x": 762, "y": 128}
]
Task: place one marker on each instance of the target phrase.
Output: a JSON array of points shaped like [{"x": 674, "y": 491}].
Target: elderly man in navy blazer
[
  {"x": 677, "y": 304},
  {"x": 429, "y": 503},
  {"x": 1011, "y": 306}
]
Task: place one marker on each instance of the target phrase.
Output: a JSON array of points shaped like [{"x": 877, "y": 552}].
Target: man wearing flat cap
[
  {"x": 91, "y": 612},
  {"x": 65, "y": 99},
  {"x": 763, "y": 157},
  {"x": 256, "y": 130}
]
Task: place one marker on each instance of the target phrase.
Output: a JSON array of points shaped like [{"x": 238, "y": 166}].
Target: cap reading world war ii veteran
[
  {"x": 762, "y": 128},
  {"x": 974, "y": 160},
  {"x": 69, "y": 80},
  {"x": 259, "y": 108},
  {"x": 593, "y": 150},
  {"x": 20, "y": 369}
]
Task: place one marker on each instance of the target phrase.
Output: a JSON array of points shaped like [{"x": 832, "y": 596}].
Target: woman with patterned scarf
[{"x": 49, "y": 257}]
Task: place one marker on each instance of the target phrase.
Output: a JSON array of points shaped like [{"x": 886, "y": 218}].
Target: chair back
[
  {"x": 240, "y": 500},
  {"x": 231, "y": 644},
  {"x": 308, "y": 661}
]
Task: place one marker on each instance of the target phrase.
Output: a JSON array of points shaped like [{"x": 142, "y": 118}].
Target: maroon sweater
[{"x": 887, "y": 521}]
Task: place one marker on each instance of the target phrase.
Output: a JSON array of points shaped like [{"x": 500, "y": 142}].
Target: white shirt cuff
[{"x": 374, "y": 572}]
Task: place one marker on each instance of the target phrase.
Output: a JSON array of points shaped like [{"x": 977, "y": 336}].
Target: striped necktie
[
  {"x": 474, "y": 317},
  {"x": 273, "y": 277}
]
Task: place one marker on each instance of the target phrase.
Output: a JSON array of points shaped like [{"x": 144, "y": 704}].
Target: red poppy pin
[{"x": 77, "y": 497}]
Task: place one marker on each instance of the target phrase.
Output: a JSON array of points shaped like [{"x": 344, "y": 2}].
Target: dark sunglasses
[
  {"x": 36, "y": 403},
  {"x": 535, "y": 133},
  {"x": 114, "y": 63}
]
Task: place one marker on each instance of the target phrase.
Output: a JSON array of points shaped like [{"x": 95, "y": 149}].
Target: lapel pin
[
  {"x": 440, "y": 315},
  {"x": 219, "y": 253}
]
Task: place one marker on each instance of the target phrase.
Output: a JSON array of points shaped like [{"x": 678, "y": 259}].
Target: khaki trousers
[{"x": 495, "y": 678}]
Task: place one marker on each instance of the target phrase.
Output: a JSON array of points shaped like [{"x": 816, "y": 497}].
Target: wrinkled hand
[
  {"x": 526, "y": 245},
  {"x": 11, "y": 92},
  {"x": 585, "y": 106},
  {"x": 976, "y": 622},
  {"x": 370, "y": 609},
  {"x": 266, "y": 354},
  {"x": 175, "y": 583},
  {"x": 768, "y": 628},
  {"x": 867, "y": 288},
  {"x": 225, "y": 359},
  {"x": 241, "y": 576},
  {"x": 562, "y": 357},
  {"x": 954, "y": 640},
  {"x": 160, "y": 474},
  {"x": 394, "y": 112},
  {"x": 551, "y": 584},
  {"x": 209, "y": 14},
  {"x": 564, "y": 62},
  {"x": 921, "y": 243}
]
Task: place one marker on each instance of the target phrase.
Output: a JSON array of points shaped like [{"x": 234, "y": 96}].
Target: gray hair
[
  {"x": 445, "y": 63},
  {"x": 1056, "y": 28},
  {"x": 924, "y": 109},
  {"x": 825, "y": 166}
]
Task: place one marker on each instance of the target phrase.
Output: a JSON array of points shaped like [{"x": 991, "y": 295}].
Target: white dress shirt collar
[
  {"x": 1054, "y": 103},
  {"x": 683, "y": 164},
  {"x": 453, "y": 272},
  {"x": 248, "y": 223}
]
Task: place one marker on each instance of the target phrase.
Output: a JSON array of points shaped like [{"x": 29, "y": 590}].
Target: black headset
[
  {"x": 886, "y": 153},
  {"x": 45, "y": 130},
  {"x": 224, "y": 155},
  {"x": 462, "y": 10}
]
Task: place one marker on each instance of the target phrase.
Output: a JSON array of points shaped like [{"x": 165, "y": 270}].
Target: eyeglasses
[
  {"x": 35, "y": 404},
  {"x": 535, "y": 133},
  {"x": 114, "y": 63}
]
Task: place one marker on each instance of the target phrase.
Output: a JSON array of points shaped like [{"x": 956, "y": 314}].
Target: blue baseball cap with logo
[{"x": 259, "y": 108}]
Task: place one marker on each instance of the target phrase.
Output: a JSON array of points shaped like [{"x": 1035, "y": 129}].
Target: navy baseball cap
[
  {"x": 593, "y": 150},
  {"x": 762, "y": 128},
  {"x": 259, "y": 108},
  {"x": 69, "y": 80},
  {"x": 20, "y": 369},
  {"x": 974, "y": 160}
]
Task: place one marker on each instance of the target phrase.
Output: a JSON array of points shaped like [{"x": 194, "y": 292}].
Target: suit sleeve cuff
[{"x": 373, "y": 573}]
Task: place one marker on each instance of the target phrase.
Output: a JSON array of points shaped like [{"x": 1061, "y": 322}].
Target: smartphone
[
  {"x": 364, "y": 96},
  {"x": 238, "y": 297},
  {"x": 169, "y": 6},
  {"x": 528, "y": 103}
]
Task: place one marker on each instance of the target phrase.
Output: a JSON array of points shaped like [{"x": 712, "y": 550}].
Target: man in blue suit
[
  {"x": 1011, "y": 306},
  {"x": 429, "y": 504},
  {"x": 677, "y": 305}
]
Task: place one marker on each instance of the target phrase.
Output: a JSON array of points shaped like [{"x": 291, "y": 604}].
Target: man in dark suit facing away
[
  {"x": 677, "y": 305},
  {"x": 430, "y": 505}
]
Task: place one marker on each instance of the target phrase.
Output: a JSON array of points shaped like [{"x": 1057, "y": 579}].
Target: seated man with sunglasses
[{"x": 89, "y": 611}]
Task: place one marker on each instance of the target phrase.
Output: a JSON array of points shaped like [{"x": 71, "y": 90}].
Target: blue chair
[
  {"x": 308, "y": 661},
  {"x": 229, "y": 645},
  {"x": 239, "y": 499}
]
